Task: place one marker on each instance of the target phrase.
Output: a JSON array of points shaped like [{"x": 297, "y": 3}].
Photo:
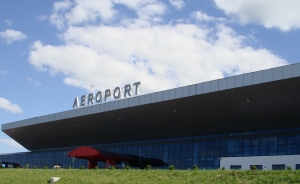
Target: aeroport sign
[{"x": 99, "y": 97}]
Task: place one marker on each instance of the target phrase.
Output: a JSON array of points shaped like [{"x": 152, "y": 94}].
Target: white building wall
[{"x": 265, "y": 161}]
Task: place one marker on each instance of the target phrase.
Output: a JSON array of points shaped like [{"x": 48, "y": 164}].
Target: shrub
[
  {"x": 223, "y": 168},
  {"x": 45, "y": 167},
  {"x": 26, "y": 167},
  {"x": 253, "y": 167},
  {"x": 1, "y": 167},
  {"x": 81, "y": 167},
  {"x": 148, "y": 167},
  {"x": 195, "y": 167},
  {"x": 112, "y": 167},
  {"x": 34, "y": 167},
  {"x": 171, "y": 167},
  {"x": 96, "y": 168},
  {"x": 127, "y": 167},
  {"x": 69, "y": 167},
  {"x": 288, "y": 168}
]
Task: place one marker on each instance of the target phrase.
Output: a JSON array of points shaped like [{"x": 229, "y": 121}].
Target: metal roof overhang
[{"x": 269, "y": 105}]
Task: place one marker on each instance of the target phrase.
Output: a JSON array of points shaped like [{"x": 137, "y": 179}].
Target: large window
[
  {"x": 235, "y": 167},
  {"x": 278, "y": 167}
]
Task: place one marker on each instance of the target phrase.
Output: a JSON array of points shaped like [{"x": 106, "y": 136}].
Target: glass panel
[
  {"x": 278, "y": 167},
  {"x": 291, "y": 139},
  {"x": 190, "y": 146},
  {"x": 263, "y": 151},
  {"x": 264, "y": 141},
  {"x": 255, "y": 151},
  {"x": 216, "y": 153},
  {"x": 210, "y": 144},
  {"x": 281, "y": 140},
  {"x": 255, "y": 142},
  {"x": 217, "y": 144},
  {"x": 291, "y": 149},
  {"x": 184, "y": 146},
  {"x": 231, "y": 143},
  {"x": 203, "y": 145},
  {"x": 224, "y": 152},
  {"x": 224, "y": 144},
  {"x": 247, "y": 151},
  {"x": 235, "y": 167},
  {"x": 281, "y": 149},
  {"x": 247, "y": 142}
]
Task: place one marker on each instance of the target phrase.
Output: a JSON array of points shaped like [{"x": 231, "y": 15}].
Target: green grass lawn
[{"x": 73, "y": 176}]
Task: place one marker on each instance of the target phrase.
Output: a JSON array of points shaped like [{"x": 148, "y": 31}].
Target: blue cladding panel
[
  {"x": 159, "y": 96},
  {"x": 199, "y": 89},
  {"x": 186, "y": 91},
  {"x": 178, "y": 92},
  {"x": 267, "y": 75},
  {"x": 116, "y": 104},
  {"x": 214, "y": 85},
  {"x": 131, "y": 102},
  {"x": 248, "y": 79},
  {"x": 153, "y": 98},
  {"x": 94, "y": 109},
  {"x": 172, "y": 94},
  {"x": 71, "y": 114},
  {"x": 99, "y": 108},
  {"x": 81, "y": 111},
  {"x": 222, "y": 84},
  {"x": 193, "y": 90},
  {"x": 206, "y": 87},
  {"x": 239, "y": 81},
  {"x": 85, "y": 112},
  {"x": 296, "y": 70},
  {"x": 257, "y": 77},
  {"x": 46, "y": 118},
  {"x": 142, "y": 100},
  {"x": 147, "y": 99},
  {"x": 126, "y": 102},
  {"x": 277, "y": 73},
  {"x": 137, "y": 101},
  {"x": 230, "y": 82},
  {"x": 40, "y": 119},
  {"x": 166, "y": 95},
  {"x": 112, "y": 105},
  {"x": 106, "y": 106},
  {"x": 287, "y": 72}
]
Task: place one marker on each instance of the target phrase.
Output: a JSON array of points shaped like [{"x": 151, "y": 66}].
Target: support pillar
[
  {"x": 109, "y": 163},
  {"x": 92, "y": 164}
]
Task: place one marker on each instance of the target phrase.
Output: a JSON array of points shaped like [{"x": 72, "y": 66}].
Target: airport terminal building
[{"x": 234, "y": 122}]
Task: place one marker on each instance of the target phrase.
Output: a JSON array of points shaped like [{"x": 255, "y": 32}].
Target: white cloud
[
  {"x": 178, "y": 4},
  {"x": 41, "y": 17},
  {"x": 10, "y": 142},
  {"x": 36, "y": 83},
  {"x": 284, "y": 15},
  {"x": 29, "y": 79},
  {"x": 3, "y": 72},
  {"x": 160, "y": 56},
  {"x": 199, "y": 16},
  {"x": 66, "y": 14},
  {"x": 8, "y": 22},
  {"x": 7, "y": 105},
  {"x": 11, "y": 36}
]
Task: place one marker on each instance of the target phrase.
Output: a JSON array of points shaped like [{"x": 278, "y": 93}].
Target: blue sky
[{"x": 52, "y": 51}]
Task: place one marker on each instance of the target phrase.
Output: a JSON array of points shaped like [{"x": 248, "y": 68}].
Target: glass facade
[{"x": 183, "y": 153}]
